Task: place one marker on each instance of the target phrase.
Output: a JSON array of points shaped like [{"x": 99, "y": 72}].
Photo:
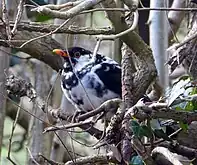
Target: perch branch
[
  {"x": 107, "y": 106},
  {"x": 67, "y": 126}
]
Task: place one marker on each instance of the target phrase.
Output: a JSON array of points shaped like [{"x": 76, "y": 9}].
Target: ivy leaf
[
  {"x": 189, "y": 106},
  {"x": 145, "y": 131},
  {"x": 135, "y": 126},
  {"x": 184, "y": 126},
  {"x": 136, "y": 160},
  {"x": 159, "y": 133}
]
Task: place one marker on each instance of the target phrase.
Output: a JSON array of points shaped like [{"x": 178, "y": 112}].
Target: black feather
[{"x": 110, "y": 77}]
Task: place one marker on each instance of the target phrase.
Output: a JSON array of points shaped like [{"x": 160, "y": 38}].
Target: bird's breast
[{"x": 87, "y": 92}]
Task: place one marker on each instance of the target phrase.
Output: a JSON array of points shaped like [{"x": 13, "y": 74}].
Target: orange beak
[{"x": 60, "y": 52}]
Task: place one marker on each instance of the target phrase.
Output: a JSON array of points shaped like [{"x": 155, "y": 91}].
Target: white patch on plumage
[
  {"x": 82, "y": 61},
  {"x": 68, "y": 75},
  {"x": 96, "y": 67},
  {"x": 78, "y": 93},
  {"x": 107, "y": 69}
]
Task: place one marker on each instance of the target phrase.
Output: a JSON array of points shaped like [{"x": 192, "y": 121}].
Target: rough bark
[
  {"x": 47, "y": 28},
  {"x": 40, "y": 49},
  {"x": 187, "y": 50},
  {"x": 148, "y": 71}
]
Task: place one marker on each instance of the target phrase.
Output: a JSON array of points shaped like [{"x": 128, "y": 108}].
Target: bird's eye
[{"x": 77, "y": 54}]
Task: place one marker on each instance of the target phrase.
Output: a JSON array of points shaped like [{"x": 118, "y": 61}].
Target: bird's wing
[{"x": 110, "y": 75}]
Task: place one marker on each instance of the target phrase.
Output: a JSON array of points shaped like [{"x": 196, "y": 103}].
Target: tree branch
[
  {"x": 69, "y": 13},
  {"x": 47, "y": 28},
  {"x": 40, "y": 49},
  {"x": 147, "y": 73},
  {"x": 159, "y": 110},
  {"x": 105, "y": 159}
]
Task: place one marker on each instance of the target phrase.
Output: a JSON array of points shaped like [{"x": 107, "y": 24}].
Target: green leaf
[
  {"x": 159, "y": 133},
  {"x": 136, "y": 160},
  {"x": 135, "y": 126},
  {"x": 145, "y": 131},
  {"x": 189, "y": 106},
  {"x": 184, "y": 126}
]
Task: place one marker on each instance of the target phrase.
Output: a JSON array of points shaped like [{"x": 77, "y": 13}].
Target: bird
[{"x": 88, "y": 80}]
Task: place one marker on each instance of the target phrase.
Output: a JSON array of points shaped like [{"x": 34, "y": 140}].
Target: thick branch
[
  {"x": 148, "y": 71},
  {"x": 40, "y": 49},
  {"x": 160, "y": 110},
  {"x": 181, "y": 150},
  {"x": 47, "y": 28}
]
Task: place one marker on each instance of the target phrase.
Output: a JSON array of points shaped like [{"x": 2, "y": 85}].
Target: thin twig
[
  {"x": 6, "y": 19},
  {"x": 45, "y": 35},
  {"x": 69, "y": 13},
  {"x": 64, "y": 127},
  {"x": 183, "y": 43},
  {"x": 96, "y": 48},
  {"x": 113, "y": 37},
  {"x": 11, "y": 135},
  {"x": 27, "y": 111},
  {"x": 52, "y": 162},
  {"x": 49, "y": 94},
  {"x": 106, "y": 106},
  {"x": 31, "y": 156},
  {"x": 61, "y": 6},
  {"x": 18, "y": 16},
  {"x": 71, "y": 158},
  {"x": 171, "y": 135}
]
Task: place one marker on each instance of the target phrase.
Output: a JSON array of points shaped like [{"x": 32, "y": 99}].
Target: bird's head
[{"x": 76, "y": 54}]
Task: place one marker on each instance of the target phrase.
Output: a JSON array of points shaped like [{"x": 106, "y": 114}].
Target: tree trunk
[
  {"x": 39, "y": 143},
  {"x": 159, "y": 40},
  {"x": 4, "y": 65}
]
